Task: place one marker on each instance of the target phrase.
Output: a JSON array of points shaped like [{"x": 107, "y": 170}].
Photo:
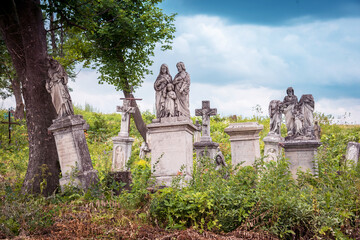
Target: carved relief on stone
[
  {"x": 119, "y": 158},
  {"x": 271, "y": 154},
  {"x": 275, "y": 117},
  {"x": 57, "y": 87}
]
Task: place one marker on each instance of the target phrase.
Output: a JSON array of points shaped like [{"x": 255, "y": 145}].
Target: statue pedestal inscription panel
[
  {"x": 244, "y": 138},
  {"x": 301, "y": 154},
  {"x": 171, "y": 146},
  {"x": 74, "y": 157}
]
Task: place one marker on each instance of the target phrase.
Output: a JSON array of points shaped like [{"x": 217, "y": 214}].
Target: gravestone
[
  {"x": 171, "y": 133},
  {"x": 122, "y": 143},
  {"x": 68, "y": 130},
  {"x": 244, "y": 138},
  {"x": 206, "y": 147},
  {"x": 272, "y": 149},
  {"x": 352, "y": 151},
  {"x": 301, "y": 142}
]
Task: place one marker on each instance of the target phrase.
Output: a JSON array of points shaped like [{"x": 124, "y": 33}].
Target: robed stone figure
[
  {"x": 57, "y": 87},
  {"x": 163, "y": 79},
  {"x": 182, "y": 89}
]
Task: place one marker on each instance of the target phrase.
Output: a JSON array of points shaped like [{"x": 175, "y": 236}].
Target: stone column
[
  {"x": 301, "y": 154},
  {"x": 74, "y": 157},
  {"x": 272, "y": 150},
  {"x": 171, "y": 147},
  {"x": 244, "y": 138}
]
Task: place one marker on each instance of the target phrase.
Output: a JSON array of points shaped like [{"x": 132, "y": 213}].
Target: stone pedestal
[
  {"x": 272, "y": 150},
  {"x": 301, "y": 154},
  {"x": 73, "y": 152},
  {"x": 170, "y": 141},
  {"x": 244, "y": 138},
  {"x": 208, "y": 149},
  {"x": 121, "y": 152},
  {"x": 353, "y": 151}
]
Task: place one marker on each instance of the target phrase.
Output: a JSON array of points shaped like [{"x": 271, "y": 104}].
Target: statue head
[
  {"x": 180, "y": 66},
  {"x": 170, "y": 87},
  {"x": 164, "y": 69},
  {"x": 290, "y": 91}
]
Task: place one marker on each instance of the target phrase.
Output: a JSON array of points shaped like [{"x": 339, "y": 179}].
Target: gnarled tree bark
[{"x": 23, "y": 30}]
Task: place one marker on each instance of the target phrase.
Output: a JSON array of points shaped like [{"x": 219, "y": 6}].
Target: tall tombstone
[
  {"x": 171, "y": 133},
  {"x": 272, "y": 148},
  {"x": 301, "y": 143},
  {"x": 244, "y": 139},
  {"x": 206, "y": 147},
  {"x": 68, "y": 130},
  {"x": 122, "y": 143}
]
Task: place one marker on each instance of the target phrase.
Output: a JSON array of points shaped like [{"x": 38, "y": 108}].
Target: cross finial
[
  {"x": 205, "y": 112},
  {"x": 126, "y": 110}
]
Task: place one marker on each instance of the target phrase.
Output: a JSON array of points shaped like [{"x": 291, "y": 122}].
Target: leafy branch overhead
[{"x": 119, "y": 37}]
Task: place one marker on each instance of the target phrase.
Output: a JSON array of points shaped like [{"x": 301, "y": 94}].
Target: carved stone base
[
  {"x": 272, "y": 149},
  {"x": 244, "y": 138},
  {"x": 353, "y": 151},
  {"x": 171, "y": 148},
  {"x": 73, "y": 152},
  {"x": 121, "y": 152},
  {"x": 301, "y": 154},
  {"x": 208, "y": 149}
]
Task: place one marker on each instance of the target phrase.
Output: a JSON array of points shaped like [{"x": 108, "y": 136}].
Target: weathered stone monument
[
  {"x": 171, "y": 133},
  {"x": 353, "y": 151},
  {"x": 244, "y": 138},
  {"x": 206, "y": 147},
  {"x": 272, "y": 149},
  {"x": 68, "y": 131},
  {"x": 122, "y": 143},
  {"x": 300, "y": 143}
]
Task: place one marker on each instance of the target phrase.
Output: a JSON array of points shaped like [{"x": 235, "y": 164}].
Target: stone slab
[
  {"x": 301, "y": 154},
  {"x": 74, "y": 157},
  {"x": 244, "y": 138},
  {"x": 171, "y": 148}
]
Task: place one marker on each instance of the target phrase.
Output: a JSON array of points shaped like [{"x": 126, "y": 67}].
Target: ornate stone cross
[
  {"x": 205, "y": 112},
  {"x": 126, "y": 110}
]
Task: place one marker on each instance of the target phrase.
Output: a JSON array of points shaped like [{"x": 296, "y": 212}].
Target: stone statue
[
  {"x": 170, "y": 101},
  {"x": 57, "y": 87},
  {"x": 271, "y": 154},
  {"x": 144, "y": 149},
  {"x": 219, "y": 160},
  {"x": 307, "y": 105},
  {"x": 289, "y": 103},
  {"x": 275, "y": 117},
  {"x": 182, "y": 89},
  {"x": 205, "y": 112},
  {"x": 160, "y": 86}
]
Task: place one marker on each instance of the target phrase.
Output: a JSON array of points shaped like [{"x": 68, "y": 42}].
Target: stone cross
[
  {"x": 126, "y": 110},
  {"x": 205, "y": 112}
]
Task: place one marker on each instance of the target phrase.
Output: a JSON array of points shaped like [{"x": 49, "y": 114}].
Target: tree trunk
[
  {"x": 16, "y": 88},
  {"x": 23, "y": 30}
]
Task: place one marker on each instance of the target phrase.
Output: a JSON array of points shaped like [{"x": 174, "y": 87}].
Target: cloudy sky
[{"x": 242, "y": 53}]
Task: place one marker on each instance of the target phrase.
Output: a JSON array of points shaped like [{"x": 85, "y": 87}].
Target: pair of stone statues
[
  {"x": 299, "y": 117},
  {"x": 172, "y": 95}
]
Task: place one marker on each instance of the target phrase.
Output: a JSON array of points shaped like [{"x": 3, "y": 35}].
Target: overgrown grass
[{"x": 259, "y": 198}]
